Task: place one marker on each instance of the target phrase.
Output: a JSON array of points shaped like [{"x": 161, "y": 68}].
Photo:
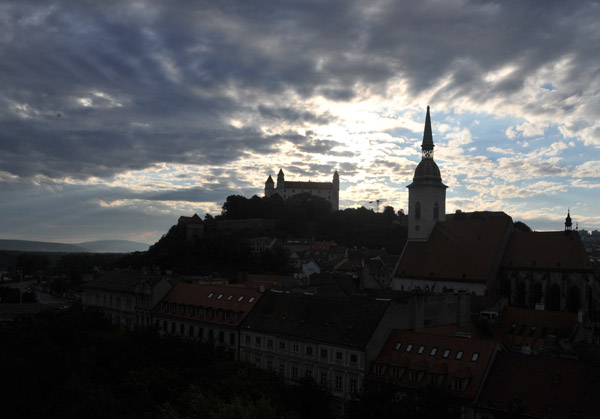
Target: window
[
  {"x": 378, "y": 369},
  {"x": 282, "y": 346},
  {"x": 433, "y": 379},
  {"x": 433, "y": 351},
  {"x": 532, "y": 331},
  {"x": 270, "y": 364},
  {"x": 446, "y": 353},
  {"x": 251, "y": 299},
  {"x": 475, "y": 357},
  {"x": 270, "y": 343},
  {"x": 353, "y": 358},
  {"x": 398, "y": 345},
  {"x": 323, "y": 379},
  {"x": 512, "y": 329},
  {"x": 247, "y": 339},
  {"x": 295, "y": 348},
  {"x": 436, "y": 211},
  {"x": 353, "y": 385},
  {"x": 257, "y": 360},
  {"x": 182, "y": 329},
  {"x": 232, "y": 338},
  {"x": 522, "y": 329},
  {"x": 324, "y": 353},
  {"x": 309, "y": 350},
  {"x": 191, "y": 330},
  {"x": 281, "y": 368},
  {"x": 220, "y": 296},
  {"x": 409, "y": 347},
  {"x": 397, "y": 372},
  {"x": 241, "y": 298},
  {"x": 417, "y": 211},
  {"x": 459, "y": 384},
  {"x": 308, "y": 372},
  {"x": 258, "y": 341},
  {"x": 339, "y": 356},
  {"x": 421, "y": 349},
  {"x": 414, "y": 376},
  {"x": 221, "y": 336},
  {"x": 210, "y": 295},
  {"x": 294, "y": 373},
  {"x": 459, "y": 355},
  {"x": 338, "y": 382}
]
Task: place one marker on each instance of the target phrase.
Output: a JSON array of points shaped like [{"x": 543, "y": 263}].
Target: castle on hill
[{"x": 329, "y": 191}]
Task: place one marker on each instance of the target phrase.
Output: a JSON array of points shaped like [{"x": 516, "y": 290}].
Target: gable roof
[
  {"x": 465, "y": 247},
  {"x": 558, "y": 250},
  {"x": 545, "y": 387},
  {"x": 523, "y": 326},
  {"x": 348, "y": 321},
  {"x": 217, "y": 297},
  {"x": 454, "y": 357}
]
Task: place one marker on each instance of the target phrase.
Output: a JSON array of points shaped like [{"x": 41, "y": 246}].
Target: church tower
[
  {"x": 427, "y": 193},
  {"x": 568, "y": 222}
]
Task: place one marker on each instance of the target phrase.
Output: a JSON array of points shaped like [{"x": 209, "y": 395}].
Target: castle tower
[
  {"x": 427, "y": 193},
  {"x": 335, "y": 198},
  {"x": 269, "y": 187},
  {"x": 280, "y": 180}
]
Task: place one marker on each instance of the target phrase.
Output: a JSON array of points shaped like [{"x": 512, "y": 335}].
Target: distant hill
[
  {"x": 99, "y": 246},
  {"x": 114, "y": 246}
]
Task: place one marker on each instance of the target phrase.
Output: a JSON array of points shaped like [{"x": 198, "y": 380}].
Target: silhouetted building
[{"x": 286, "y": 189}]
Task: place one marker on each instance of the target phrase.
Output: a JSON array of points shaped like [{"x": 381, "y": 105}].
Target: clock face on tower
[{"x": 428, "y": 154}]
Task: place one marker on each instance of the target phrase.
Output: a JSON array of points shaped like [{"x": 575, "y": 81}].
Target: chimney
[{"x": 463, "y": 308}]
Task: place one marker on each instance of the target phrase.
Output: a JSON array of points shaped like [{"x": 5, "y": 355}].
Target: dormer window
[
  {"x": 475, "y": 357},
  {"x": 220, "y": 296},
  {"x": 459, "y": 355},
  {"x": 398, "y": 345},
  {"x": 459, "y": 384},
  {"x": 241, "y": 298},
  {"x": 433, "y": 351},
  {"x": 446, "y": 353},
  {"x": 210, "y": 295},
  {"x": 409, "y": 347},
  {"x": 251, "y": 300},
  {"x": 421, "y": 349}
]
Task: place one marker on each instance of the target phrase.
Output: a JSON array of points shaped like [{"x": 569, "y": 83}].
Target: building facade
[{"x": 329, "y": 191}]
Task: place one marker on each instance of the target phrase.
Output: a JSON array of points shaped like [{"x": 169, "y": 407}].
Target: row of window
[
  {"x": 295, "y": 348},
  {"x": 293, "y": 371},
  {"x": 436, "y": 211},
  {"x": 209, "y": 313},
  {"x": 191, "y": 331},
  {"x": 532, "y": 330},
  {"x": 434, "y": 350},
  {"x": 415, "y": 377}
]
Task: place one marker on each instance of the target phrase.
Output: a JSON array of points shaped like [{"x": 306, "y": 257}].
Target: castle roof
[{"x": 308, "y": 185}]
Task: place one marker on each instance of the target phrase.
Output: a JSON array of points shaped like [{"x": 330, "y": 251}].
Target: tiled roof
[
  {"x": 465, "y": 247},
  {"x": 545, "y": 387},
  {"x": 309, "y": 185},
  {"x": 346, "y": 321},
  {"x": 449, "y": 356},
  {"x": 561, "y": 250},
  {"x": 226, "y": 299},
  {"x": 523, "y": 326}
]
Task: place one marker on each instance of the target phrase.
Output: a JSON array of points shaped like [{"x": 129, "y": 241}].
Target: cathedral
[
  {"x": 485, "y": 253},
  {"x": 329, "y": 191}
]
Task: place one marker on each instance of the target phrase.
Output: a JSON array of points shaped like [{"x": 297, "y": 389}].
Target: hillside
[{"x": 99, "y": 246}]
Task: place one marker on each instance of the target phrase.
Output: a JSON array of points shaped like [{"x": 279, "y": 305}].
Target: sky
[{"x": 117, "y": 117}]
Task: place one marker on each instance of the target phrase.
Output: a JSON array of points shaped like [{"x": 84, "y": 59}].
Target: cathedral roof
[
  {"x": 465, "y": 247},
  {"x": 562, "y": 250},
  {"x": 427, "y": 170}
]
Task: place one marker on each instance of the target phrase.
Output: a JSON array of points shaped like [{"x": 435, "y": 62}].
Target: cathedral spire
[
  {"x": 427, "y": 143},
  {"x": 568, "y": 222}
]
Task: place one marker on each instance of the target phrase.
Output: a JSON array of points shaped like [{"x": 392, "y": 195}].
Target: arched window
[
  {"x": 436, "y": 211},
  {"x": 554, "y": 298},
  {"x": 573, "y": 299},
  {"x": 418, "y": 211},
  {"x": 537, "y": 293}
]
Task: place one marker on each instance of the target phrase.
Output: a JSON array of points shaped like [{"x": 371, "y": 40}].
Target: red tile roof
[
  {"x": 545, "y": 387},
  {"x": 226, "y": 299},
  {"x": 523, "y": 326},
  {"x": 465, "y": 247},
  {"x": 395, "y": 354},
  {"x": 562, "y": 250}
]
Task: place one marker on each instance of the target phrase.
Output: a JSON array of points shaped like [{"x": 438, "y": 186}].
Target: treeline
[
  {"x": 75, "y": 364},
  {"x": 301, "y": 216}
]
